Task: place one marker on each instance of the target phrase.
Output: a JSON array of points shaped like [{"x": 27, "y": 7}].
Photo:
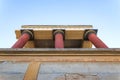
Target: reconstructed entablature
[{"x": 43, "y": 36}]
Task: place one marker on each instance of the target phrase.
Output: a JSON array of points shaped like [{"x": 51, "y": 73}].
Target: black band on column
[
  {"x": 89, "y": 31},
  {"x": 55, "y": 31},
  {"x": 28, "y": 31}
]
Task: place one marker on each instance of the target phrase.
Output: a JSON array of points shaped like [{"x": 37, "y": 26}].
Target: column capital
[
  {"x": 89, "y": 31},
  {"x": 28, "y": 31},
  {"x": 56, "y": 31}
]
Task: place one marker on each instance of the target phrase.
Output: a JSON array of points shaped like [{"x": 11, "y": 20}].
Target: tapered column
[
  {"x": 91, "y": 36},
  {"x": 26, "y": 36},
  {"x": 59, "y": 39}
]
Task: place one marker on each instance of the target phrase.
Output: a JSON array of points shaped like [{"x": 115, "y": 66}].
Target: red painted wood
[
  {"x": 21, "y": 41},
  {"x": 96, "y": 41},
  {"x": 59, "y": 42}
]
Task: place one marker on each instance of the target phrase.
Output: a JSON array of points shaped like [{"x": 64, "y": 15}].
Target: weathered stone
[
  {"x": 60, "y": 78},
  {"x": 76, "y": 76}
]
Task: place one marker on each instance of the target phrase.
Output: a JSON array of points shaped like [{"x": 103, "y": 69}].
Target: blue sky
[{"x": 104, "y": 15}]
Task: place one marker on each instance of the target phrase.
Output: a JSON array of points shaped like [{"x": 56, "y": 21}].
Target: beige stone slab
[
  {"x": 81, "y": 77},
  {"x": 58, "y": 26},
  {"x": 60, "y": 55}
]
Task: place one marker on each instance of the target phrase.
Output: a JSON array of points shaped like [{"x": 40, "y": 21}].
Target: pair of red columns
[
  {"x": 26, "y": 35},
  {"x": 59, "y": 39}
]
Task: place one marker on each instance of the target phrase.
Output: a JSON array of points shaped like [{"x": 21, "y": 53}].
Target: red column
[
  {"x": 22, "y": 40},
  {"x": 59, "y": 42},
  {"x": 96, "y": 41}
]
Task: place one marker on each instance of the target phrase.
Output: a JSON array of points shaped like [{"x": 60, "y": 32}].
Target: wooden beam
[
  {"x": 74, "y": 34},
  {"x": 30, "y": 44},
  {"x": 47, "y": 34},
  {"x": 86, "y": 44},
  {"x": 18, "y": 33},
  {"x": 32, "y": 71},
  {"x": 56, "y": 55}
]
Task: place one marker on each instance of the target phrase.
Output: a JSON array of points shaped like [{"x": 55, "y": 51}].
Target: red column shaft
[
  {"x": 22, "y": 41},
  {"x": 96, "y": 41},
  {"x": 59, "y": 42}
]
